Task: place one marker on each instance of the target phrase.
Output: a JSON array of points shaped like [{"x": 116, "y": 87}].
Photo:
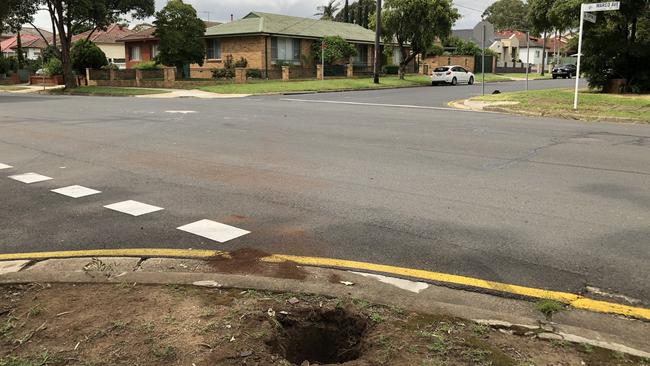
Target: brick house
[
  {"x": 268, "y": 41},
  {"x": 140, "y": 47},
  {"x": 107, "y": 41}
]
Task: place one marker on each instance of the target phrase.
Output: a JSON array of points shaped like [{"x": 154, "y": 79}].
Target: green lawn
[
  {"x": 109, "y": 91},
  {"x": 531, "y": 76},
  {"x": 261, "y": 87},
  {"x": 591, "y": 105}
]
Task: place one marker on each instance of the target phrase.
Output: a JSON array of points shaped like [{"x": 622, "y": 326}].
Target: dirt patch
[
  {"x": 131, "y": 324},
  {"x": 248, "y": 261}
]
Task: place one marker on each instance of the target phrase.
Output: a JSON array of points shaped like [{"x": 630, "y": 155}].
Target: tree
[
  {"x": 462, "y": 47},
  {"x": 617, "y": 46},
  {"x": 346, "y": 12},
  {"x": 359, "y": 13},
  {"x": 541, "y": 21},
  {"x": 180, "y": 32},
  {"x": 507, "y": 14},
  {"x": 327, "y": 11},
  {"x": 17, "y": 13},
  {"x": 336, "y": 48},
  {"x": 86, "y": 54},
  {"x": 415, "y": 25},
  {"x": 101, "y": 13}
]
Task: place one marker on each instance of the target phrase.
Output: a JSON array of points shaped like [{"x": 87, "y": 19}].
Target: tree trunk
[
  {"x": 544, "y": 55},
  {"x": 68, "y": 76},
  {"x": 346, "y": 12}
]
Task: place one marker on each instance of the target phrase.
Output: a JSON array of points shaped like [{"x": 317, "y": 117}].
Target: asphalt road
[{"x": 539, "y": 202}]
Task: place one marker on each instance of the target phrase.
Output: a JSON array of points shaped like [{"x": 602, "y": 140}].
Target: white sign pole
[
  {"x": 527, "y": 56},
  {"x": 582, "y": 20},
  {"x": 607, "y": 6}
]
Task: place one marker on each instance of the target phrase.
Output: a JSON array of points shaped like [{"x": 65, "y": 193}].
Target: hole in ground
[{"x": 320, "y": 336}]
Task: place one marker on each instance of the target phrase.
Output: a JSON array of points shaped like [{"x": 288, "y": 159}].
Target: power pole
[{"x": 377, "y": 38}]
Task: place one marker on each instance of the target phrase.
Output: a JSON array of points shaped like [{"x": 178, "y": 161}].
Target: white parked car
[{"x": 452, "y": 74}]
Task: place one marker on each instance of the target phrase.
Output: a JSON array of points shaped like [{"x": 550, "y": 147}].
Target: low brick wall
[{"x": 47, "y": 80}]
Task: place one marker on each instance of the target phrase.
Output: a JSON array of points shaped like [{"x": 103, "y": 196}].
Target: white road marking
[
  {"x": 76, "y": 191},
  {"x": 375, "y": 104},
  {"x": 213, "y": 230},
  {"x": 29, "y": 178},
  {"x": 133, "y": 208},
  {"x": 5, "y": 166},
  {"x": 180, "y": 112},
  {"x": 407, "y": 285}
]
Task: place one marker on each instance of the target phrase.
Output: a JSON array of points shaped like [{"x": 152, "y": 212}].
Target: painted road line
[
  {"x": 214, "y": 230},
  {"x": 376, "y": 104},
  {"x": 133, "y": 208},
  {"x": 180, "y": 112},
  {"x": 5, "y": 166},
  {"x": 30, "y": 178},
  {"x": 577, "y": 301},
  {"x": 76, "y": 191}
]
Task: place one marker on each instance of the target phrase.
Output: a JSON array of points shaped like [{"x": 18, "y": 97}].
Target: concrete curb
[{"x": 612, "y": 332}]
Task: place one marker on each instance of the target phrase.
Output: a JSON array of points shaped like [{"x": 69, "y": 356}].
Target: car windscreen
[{"x": 440, "y": 69}]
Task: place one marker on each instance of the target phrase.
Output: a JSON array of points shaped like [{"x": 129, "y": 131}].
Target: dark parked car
[{"x": 564, "y": 71}]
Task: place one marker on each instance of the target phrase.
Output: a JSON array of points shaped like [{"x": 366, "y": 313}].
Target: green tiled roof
[{"x": 283, "y": 25}]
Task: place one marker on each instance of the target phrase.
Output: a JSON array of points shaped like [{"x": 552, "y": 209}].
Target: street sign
[
  {"x": 483, "y": 32},
  {"x": 585, "y": 15},
  {"x": 611, "y": 5}
]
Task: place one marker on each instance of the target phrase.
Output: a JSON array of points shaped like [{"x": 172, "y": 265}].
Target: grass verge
[
  {"x": 133, "y": 324},
  {"x": 559, "y": 103},
  {"x": 264, "y": 87},
  {"x": 108, "y": 91}
]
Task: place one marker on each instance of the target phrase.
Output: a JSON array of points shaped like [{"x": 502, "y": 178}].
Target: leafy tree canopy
[
  {"x": 86, "y": 54},
  {"x": 327, "y": 11},
  {"x": 181, "y": 35},
  {"x": 508, "y": 14},
  {"x": 336, "y": 48},
  {"x": 416, "y": 24}
]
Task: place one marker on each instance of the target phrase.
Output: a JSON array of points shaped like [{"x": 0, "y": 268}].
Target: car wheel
[
  {"x": 471, "y": 80},
  {"x": 454, "y": 81}
]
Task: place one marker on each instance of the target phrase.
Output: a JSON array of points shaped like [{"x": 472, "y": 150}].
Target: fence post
[
  {"x": 112, "y": 74},
  {"x": 240, "y": 75},
  {"x": 138, "y": 77},
  {"x": 285, "y": 73},
  {"x": 87, "y": 75},
  {"x": 169, "y": 76},
  {"x": 350, "y": 70},
  {"x": 319, "y": 72}
]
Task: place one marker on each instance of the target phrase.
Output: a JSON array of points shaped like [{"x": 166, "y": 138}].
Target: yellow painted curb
[{"x": 577, "y": 301}]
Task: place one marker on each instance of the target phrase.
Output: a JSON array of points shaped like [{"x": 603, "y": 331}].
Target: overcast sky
[{"x": 220, "y": 10}]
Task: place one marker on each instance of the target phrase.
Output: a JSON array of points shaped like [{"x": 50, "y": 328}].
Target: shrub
[
  {"x": 254, "y": 73},
  {"x": 4, "y": 65},
  {"x": 85, "y": 54},
  {"x": 110, "y": 66},
  {"x": 391, "y": 69},
  {"x": 148, "y": 65},
  {"x": 242, "y": 62},
  {"x": 49, "y": 52},
  {"x": 337, "y": 49},
  {"x": 53, "y": 67},
  {"x": 223, "y": 73}
]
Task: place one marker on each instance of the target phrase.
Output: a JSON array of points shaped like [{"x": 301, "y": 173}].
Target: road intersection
[{"x": 391, "y": 177}]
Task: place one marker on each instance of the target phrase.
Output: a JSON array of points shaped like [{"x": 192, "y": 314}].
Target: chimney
[{"x": 232, "y": 17}]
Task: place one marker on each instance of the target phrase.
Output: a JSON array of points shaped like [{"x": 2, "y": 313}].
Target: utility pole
[
  {"x": 527, "y": 56},
  {"x": 377, "y": 38}
]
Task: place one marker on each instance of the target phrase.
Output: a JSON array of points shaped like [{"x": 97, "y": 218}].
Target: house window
[
  {"x": 362, "y": 55},
  {"x": 537, "y": 53},
  {"x": 134, "y": 53},
  {"x": 154, "y": 50},
  {"x": 285, "y": 49},
  {"x": 213, "y": 51}
]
